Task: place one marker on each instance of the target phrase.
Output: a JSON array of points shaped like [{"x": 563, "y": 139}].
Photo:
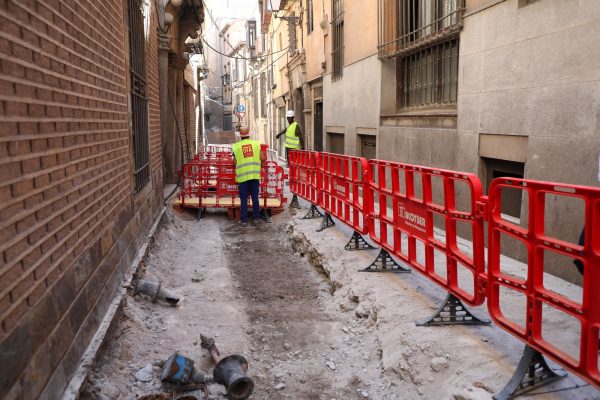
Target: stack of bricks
[{"x": 69, "y": 219}]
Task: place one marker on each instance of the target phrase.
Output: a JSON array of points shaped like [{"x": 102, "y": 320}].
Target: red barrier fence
[
  {"x": 208, "y": 181},
  {"x": 409, "y": 201},
  {"x": 407, "y": 207},
  {"x": 342, "y": 180},
  {"x": 303, "y": 175},
  {"x": 540, "y": 301}
]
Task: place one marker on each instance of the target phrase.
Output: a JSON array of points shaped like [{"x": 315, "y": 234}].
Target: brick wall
[{"x": 69, "y": 222}]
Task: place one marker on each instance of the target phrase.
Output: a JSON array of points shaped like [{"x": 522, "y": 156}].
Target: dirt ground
[
  {"x": 290, "y": 300},
  {"x": 249, "y": 289}
]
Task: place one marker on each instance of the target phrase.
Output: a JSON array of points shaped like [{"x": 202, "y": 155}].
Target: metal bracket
[
  {"x": 326, "y": 222},
  {"x": 313, "y": 212},
  {"x": 384, "y": 263},
  {"x": 531, "y": 373},
  {"x": 357, "y": 242},
  {"x": 452, "y": 312},
  {"x": 294, "y": 203}
]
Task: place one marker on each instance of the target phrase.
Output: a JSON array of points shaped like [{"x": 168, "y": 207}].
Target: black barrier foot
[
  {"x": 294, "y": 203},
  {"x": 531, "y": 373},
  {"x": 326, "y": 222},
  {"x": 452, "y": 312},
  {"x": 200, "y": 214},
  {"x": 264, "y": 215},
  {"x": 313, "y": 212},
  {"x": 357, "y": 242},
  {"x": 384, "y": 263}
]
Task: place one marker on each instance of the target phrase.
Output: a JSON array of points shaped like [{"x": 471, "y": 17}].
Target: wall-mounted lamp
[{"x": 275, "y": 7}]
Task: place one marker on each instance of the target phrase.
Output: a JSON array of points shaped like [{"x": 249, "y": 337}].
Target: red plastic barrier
[
  {"x": 405, "y": 213},
  {"x": 343, "y": 181},
  {"x": 271, "y": 185},
  {"x": 303, "y": 175},
  {"x": 209, "y": 182},
  {"x": 539, "y": 300}
]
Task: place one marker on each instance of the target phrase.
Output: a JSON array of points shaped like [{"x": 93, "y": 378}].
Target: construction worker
[
  {"x": 293, "y": 135},
  {"x": 248, "y": 161}
]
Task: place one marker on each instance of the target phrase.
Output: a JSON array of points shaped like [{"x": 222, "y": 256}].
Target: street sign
[{"x": 241, "y": 109}]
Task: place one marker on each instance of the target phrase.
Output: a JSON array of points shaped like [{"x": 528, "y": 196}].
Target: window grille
[
  {"x": 337, "y": 54},
  {"x": 139, "y": 99},
  {"x": 292, "y": 34},
  {"x": 406, "y": 26},
  {"x": 429, "y": 77},
  {"x": 309, "y": 16}
]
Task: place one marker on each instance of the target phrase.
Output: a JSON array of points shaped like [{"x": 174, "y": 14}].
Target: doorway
[{"x": 318, "y": 128}]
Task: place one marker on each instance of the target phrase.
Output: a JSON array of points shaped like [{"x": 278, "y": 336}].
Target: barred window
[
  {"x": 139, "y": 99},
  {"x": 293, "y": 45},
  {"x": 428, "y": 77},
  {"x": 338, "y": 38},
  {"x": 407, "y": 25},
  {"x": 422, "y": 36},
  {"x": 309, "y": 17}
]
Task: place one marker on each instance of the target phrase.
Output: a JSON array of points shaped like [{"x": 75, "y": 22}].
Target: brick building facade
[{"x": 73, "y": 208}]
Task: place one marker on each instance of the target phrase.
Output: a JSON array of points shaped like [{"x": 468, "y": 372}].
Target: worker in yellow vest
[
  {"x": 248, "y": 161},
  {"x": 293, "y": 134}
]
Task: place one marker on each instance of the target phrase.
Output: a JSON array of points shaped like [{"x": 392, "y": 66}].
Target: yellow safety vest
[
  {"x": 247, "y": 158},
  {"x": 292, "y": 141}
]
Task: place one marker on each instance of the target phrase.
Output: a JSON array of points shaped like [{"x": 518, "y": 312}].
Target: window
[
  {"x": 428, "y": 77},
  {"x": 251, "y": 38},
  {"x": 263, "y": 95},
  {"x": 292, "y": 34},
  {"x": 422, "y": 37},
  {"x": 338, "y": 38},
  {"x": 309, "y": 17},
  {"x": 407, "y": 25},
  {"x": 139, "y": 100}
]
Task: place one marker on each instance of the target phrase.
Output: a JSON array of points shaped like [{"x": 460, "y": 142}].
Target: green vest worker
[
  {"x": 248, "y": 161},
  {"x": 293, "y": 135}
]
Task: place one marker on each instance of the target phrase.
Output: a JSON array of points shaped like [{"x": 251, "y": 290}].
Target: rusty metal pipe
[
  {"x": 157, "y": 292},
  {"x": 229, "y": 371}
]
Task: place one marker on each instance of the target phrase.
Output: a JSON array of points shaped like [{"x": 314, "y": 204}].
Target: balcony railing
[{"x": 406, "y": 26}]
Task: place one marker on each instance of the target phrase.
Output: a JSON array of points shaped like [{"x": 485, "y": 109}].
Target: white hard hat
[{"x": 290, "y": 113}]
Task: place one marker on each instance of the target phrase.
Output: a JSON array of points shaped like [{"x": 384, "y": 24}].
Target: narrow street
[
  {"x": 249, "y": 289},
  {"x": 311, "y": 327}
]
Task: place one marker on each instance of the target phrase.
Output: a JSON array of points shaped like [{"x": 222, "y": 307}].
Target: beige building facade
[
  {"x": 493, "y": 87},
  {"x": 525, "y": 105}
]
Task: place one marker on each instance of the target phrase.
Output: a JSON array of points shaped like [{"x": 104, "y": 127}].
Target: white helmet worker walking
[{"x": 293, "y": 134}]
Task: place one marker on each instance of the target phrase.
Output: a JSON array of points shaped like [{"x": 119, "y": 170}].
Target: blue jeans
[{"x": 249, "y": 187}]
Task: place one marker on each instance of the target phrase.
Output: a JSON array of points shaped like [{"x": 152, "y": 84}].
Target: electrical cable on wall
[{"x": 240, "y": 57}]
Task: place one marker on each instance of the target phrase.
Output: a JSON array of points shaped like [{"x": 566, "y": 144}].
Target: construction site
[{"x": 299, "y": 199}]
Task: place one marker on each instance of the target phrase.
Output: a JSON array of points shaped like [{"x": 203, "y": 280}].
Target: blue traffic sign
[{"x": 241, "y": 108}]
